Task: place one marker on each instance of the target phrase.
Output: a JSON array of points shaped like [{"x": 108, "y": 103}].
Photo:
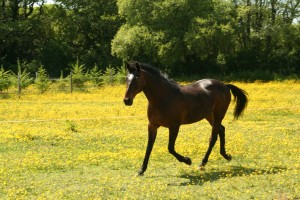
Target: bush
[
  {"x": 78, "y": 75},
  {"x": 109, "y": 76},
  {"x": 42, "y": 81},
  {"x": 4, "y": 79},
  {"x": 95, "y": 75},
  {"x": 121, "y": 75},
  {"x": 62, "y": 82},
  {"x": 25, "y": 79}
]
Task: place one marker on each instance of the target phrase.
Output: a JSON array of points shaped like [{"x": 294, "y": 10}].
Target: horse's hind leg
[
  {"x": 212, "y": 142},
  {"x": 222, "y": 144},
  {"x": 218, "y": 129}
]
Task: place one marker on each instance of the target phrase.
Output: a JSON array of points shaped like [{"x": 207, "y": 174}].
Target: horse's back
[
  {"x": 205, "y": 97},
  {"x": 216, "y": 89},
  {"x": 205, "y": 87}
]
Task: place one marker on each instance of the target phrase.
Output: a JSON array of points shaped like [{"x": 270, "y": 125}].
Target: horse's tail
[{"x": 240, "y": 97}]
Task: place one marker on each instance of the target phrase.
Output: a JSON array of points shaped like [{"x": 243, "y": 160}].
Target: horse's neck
[{"x": 157, "y": 90}]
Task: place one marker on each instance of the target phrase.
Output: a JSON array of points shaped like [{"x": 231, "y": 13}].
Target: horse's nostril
[{"x": 128, "y": 101}]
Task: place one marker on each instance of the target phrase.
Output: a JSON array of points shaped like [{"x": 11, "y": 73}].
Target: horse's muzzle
[{"x": 128, "y": 101}]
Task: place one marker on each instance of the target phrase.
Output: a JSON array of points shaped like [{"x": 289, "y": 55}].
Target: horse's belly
[{"x": 192, "y": 117}]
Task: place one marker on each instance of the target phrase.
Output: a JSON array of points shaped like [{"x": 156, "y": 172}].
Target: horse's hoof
[
  {"x": 229, "y": 157},
  {"x": 201, "y": 168},
  {"x": 140, "y": 173},
  {"x": 188, "y": 161}
]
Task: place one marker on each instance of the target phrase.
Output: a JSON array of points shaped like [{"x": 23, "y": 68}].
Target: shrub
[
  {"x": 25, "y": 79},
  {"x": 42, "y": 81},
  {"x": 61, "y": 85},
  {"x": 109, "y": 76},
  {"x": 95, "y": 75},
  {"x": 78, "y": 76},
  {"x": 71, "y": 126},
  {"x": 121, "y": 75},
  {"x": 4, "y": 79}
]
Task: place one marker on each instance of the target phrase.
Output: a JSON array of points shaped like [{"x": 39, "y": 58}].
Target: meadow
[{"x": 88, "y": 145}]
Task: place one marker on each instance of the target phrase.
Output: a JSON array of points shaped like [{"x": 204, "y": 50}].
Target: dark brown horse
[{"x": 171, "y": 105}]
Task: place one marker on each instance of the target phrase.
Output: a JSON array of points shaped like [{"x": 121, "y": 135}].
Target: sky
[{"x": 50, "y": 1}]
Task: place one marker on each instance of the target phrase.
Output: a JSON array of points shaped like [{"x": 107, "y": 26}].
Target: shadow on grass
[{"x": 235, "y": 171}]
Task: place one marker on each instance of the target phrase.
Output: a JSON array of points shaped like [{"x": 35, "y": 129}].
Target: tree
[
  {"x": 161, "y": 31},
  {"x": 20, "y": 30},
  {"x": 42, "y": 81},
  {"x": 262, "y": 29},
  {"x": 87, "y": 28},
  {"x": 78, "y": 75}
]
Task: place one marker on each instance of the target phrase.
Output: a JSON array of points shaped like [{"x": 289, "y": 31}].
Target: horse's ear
[
  {"x": 129, "y": 67},
  {"x": 138, "y": 67}
]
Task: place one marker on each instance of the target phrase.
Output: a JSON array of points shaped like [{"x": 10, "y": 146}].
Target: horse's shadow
[{"x": 235, "y": 171}]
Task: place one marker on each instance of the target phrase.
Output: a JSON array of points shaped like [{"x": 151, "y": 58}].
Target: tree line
[{"x": 179, "y": 36}]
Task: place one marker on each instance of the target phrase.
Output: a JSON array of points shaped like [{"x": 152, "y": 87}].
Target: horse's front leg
[
  {"x": 173, "y": 133},
  {"x": 152, "y": 132}
]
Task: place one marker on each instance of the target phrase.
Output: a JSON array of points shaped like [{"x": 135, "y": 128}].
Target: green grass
[{"x": 90, "y": 146}]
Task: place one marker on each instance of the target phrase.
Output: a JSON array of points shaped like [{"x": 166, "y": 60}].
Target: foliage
[
  {"x": 85, "y": 29},
  {"x": 108, "y": 76},
  {"x": 4, "y": 79},
  {"x": 61, "y": 85},
  {"x": 42, "y": 81},
  {"x": 41, "y": 158},
  {"x": 78, "y": 75},
  {"x": 189, "y": 36},
  {"x": 22, "y": 78},
  {"x": 20, "y": 31},
  {"x": 182, "y": 36},
  {"x": 95, "y": 75},
  {"x": 71, "y": 126},
  {"x": 121, "y": 75}
]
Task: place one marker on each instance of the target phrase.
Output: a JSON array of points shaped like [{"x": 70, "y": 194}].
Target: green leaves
[
  {"x": 131, "y": 42},
  {"x": 181, "y": 35},
  {"x": 4, "y": 79},
  {"x": 42, "y": 81},
  {"x": 78, "y": 76},
  {"x": 22, "y": 79}
]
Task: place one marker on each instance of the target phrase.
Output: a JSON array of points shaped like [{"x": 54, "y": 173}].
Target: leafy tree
[
  {"x": 203, "y": 36},
  {"x": 20, "y": 30},
  {"x": 87, "y": 28},
  {"x": 184, "y": 36},
  {"x": 155, "y": 30}
]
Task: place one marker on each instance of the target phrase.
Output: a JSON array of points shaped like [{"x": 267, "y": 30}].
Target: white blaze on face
[{"x": 130, "y": 77}]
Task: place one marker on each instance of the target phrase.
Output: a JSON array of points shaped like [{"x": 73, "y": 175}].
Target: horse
[{"x": 171, "y": 105}]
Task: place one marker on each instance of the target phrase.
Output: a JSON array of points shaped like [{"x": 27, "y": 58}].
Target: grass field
[{"x": 90, "y": 146}]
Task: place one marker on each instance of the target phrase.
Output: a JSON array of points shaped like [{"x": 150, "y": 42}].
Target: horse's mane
[{"x": 158, "y": 73}]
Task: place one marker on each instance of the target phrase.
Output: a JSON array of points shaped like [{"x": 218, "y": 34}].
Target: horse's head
[{"x": 135, "y": 82}]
